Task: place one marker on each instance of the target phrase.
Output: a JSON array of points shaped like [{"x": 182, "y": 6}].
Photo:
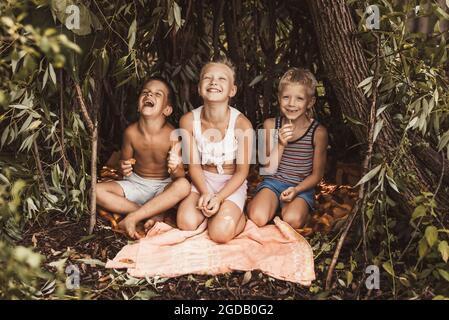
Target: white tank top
[{"x": 215, "y": 153}]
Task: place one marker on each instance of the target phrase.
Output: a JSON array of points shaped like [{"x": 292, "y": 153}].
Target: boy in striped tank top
[{"x": 297, "y": 158}]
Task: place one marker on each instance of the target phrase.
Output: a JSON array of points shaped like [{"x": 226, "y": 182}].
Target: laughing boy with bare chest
[{"x": 152, "y": 184}]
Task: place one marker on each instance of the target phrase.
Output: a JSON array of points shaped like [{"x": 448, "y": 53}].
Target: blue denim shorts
[{"x": 278, "y": 187}]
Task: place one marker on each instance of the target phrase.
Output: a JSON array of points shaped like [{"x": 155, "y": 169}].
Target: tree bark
[
  {"x": 346, "y": 66},
  {"x": 268, "y": 45}
]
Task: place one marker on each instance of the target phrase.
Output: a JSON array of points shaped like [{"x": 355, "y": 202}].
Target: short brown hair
[
  {"x": 171, "y": 92},
  {"x": 220, "y": 60},
  {"x": 298, "y": 76}
]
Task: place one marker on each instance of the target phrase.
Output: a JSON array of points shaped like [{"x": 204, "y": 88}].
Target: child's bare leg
[
  {"x": 110, "y": 196},
  {"x": 227, "y": 223},
  {"x": 173, "y": 193},
  {"x": 262, "y": 207},
  {"x": 188, "y": 216},
  {"x": 295, "y": 213}
]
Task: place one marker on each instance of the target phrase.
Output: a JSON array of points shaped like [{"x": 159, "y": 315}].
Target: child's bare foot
[
  {"x": 149, "y": 224},
  {"x": 129, "y": 226},
  {"x": 152, "y": 221}
]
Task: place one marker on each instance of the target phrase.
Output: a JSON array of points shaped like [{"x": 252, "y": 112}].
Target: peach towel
[{"x": 276, "y": 250}]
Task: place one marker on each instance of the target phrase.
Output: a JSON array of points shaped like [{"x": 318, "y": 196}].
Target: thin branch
[
  {"x": 366, "y": 163},
  {"x": 61, "y": 129},
  {"x": 39, "y": 166},
  {"x": 82, "y": 104}
]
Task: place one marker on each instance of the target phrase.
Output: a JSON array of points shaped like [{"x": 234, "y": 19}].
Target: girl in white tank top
[{"x": 216, "y": 195}]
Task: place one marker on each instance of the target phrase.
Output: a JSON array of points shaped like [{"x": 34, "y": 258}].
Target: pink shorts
[{"x": 215, "y": 182}]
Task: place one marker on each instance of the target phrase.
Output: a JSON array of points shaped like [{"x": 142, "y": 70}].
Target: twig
[
  {"x": 61, "y": 129},
  {"x": 93, "y": 129},
  {"x": 366, "y": 163},
  {"x": 39, "y": 166},
  {"x": 82, "y": 104}
]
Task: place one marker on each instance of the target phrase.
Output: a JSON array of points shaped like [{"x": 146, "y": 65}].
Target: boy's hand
[
  {"x": 126, "y": 166},
  {"x": 288, "y": 194},
  {"x": 285, "y": 134},
  {"x": 174, "y": 160}
]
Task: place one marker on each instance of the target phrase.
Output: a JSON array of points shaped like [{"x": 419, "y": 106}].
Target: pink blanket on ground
[{"x": 276, "y": 250}]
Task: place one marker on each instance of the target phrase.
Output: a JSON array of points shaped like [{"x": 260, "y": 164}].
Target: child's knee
[
  {"x": 182, "y": 186},
  {"x": 295, "y": 220},
  {"x": 223, "y": 236},
  {"x": 222, "y": 230},
  {"x": 185, "y": 223},
  {"x": 99, "y": 191},
  {"x": 256, "y": 215}
]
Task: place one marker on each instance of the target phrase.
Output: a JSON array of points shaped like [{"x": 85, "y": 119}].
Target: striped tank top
[{"x": 297, "y": 160}]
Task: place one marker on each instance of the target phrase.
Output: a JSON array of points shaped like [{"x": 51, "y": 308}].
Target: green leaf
[
  {"x": 209, "y": 283},
  {"x": 431, "y": 235},
  {"x": 443, "y": 248},
  {"x": 34, "y": 125},
  {"x": 380, "y": 110},
  {"x": 420, "y": 211},
  {"x": 444, "y": 274},
  {"x": 422, "y": 248},
  {"x": 392, "y": 184},
  {"x": 377, "y": 128},
  {"x": 349, "y": 277},
  {"x": 4, "y": 136},
  {"x": 145, "y": 295},
  {"x": 404, "y": 281},
  {"x": 440, "y": 297},
  {"x": 441, "y": 13},
  {"x": 52, "y": 73},
  {"x": 26, "y": 124},
  {"x": 365, "y": 82},
  {"x": 92, "y": 262},
  {"x": 177, "y": 14},
  {"x": 369, "y": 175},
  {"x": 387, "y": 266},
  {"x": 132, "y": 34},
  {"x": 412, "y": 123},
  {"x": 443, "y": 141},
  {"x": 256, "y": 80},
  {"x": 51, "y": 197},
  {"x": 45, "y": 79}
]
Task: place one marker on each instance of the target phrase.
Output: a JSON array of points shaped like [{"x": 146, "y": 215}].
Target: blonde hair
[
  {"x": 298, "y": 76},
  {"x": 221, "y": 60}
]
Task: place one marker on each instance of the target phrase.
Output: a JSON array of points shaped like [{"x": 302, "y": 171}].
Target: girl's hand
[
  {"x": 126, "y": 167},
  {"x": 285, "y": 134},
  {"x": 213, "y": 206},
  {"x": 174, "y": 160},
  {"x": 203, "y": 201},
  {"x": 288, "y": 194}
]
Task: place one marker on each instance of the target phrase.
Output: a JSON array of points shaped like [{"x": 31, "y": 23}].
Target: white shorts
[{"x": 140, "y": 190}]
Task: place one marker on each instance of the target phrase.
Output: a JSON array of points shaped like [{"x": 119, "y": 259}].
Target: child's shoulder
[
  {"x": 186, "y": 120},
  {"x": 320, "y": 134},
  {"x": 320, "y": 128},
  {"x": 269, "y": 123},
  {"x": 131, "y": 129},
  {"x": 242, "y": 122}
]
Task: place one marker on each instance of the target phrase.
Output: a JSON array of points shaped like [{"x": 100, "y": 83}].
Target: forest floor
[
  {"x": 58, "y": 239},
  {"x": 64, "y": 242}
]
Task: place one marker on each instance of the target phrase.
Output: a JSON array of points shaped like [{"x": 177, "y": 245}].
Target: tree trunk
[
  {"x": 346, "y": 66},
  {"x": 268, "y": 45}
]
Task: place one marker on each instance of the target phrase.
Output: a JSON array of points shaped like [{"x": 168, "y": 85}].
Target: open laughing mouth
[
  {"x": 148, "y": 104},
  {"x": 214, "y": 90}
]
